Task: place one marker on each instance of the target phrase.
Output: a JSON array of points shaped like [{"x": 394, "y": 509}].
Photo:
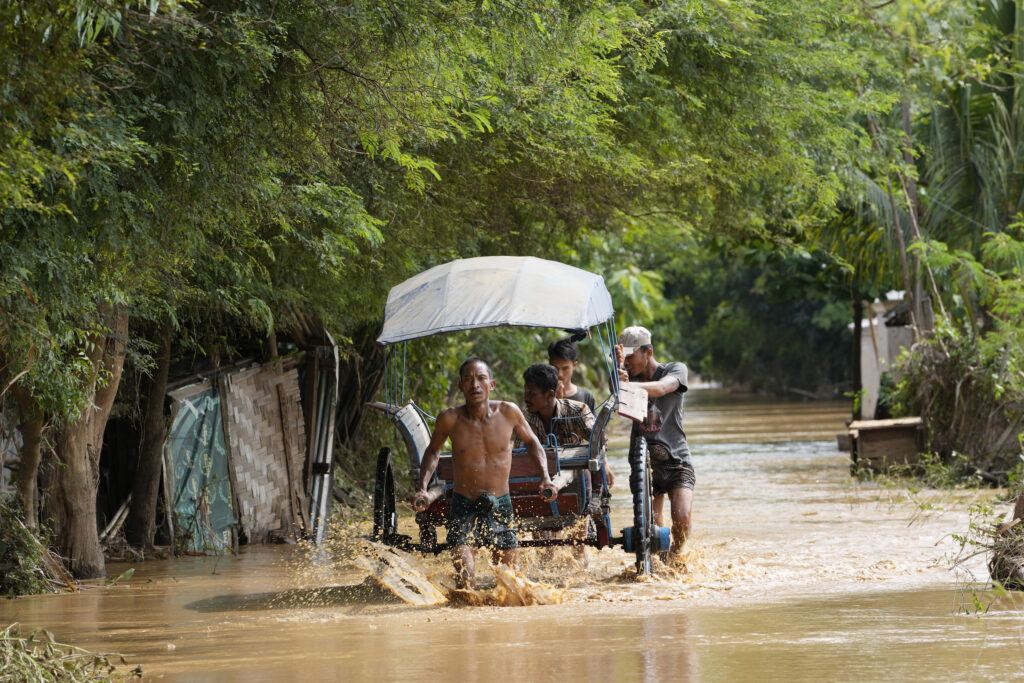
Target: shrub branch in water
[
  {"x": 36, "y": 656},
  {"x": 1006, "y": 558}
]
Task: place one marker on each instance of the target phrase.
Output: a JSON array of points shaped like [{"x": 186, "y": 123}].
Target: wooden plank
[
  {"x": 310, "y": 414},
  {"x": 843, "y": 441},
  {"x": 291, "y": 467},
  {"x": 868, "y": 425},
  {"x": 399, "y": 573},
  {"x": 885, "y": 448},
  {"x": 632, "y": 402}
]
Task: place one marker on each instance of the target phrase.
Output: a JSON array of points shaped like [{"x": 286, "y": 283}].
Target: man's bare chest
[{"x": 481, "y": 438}]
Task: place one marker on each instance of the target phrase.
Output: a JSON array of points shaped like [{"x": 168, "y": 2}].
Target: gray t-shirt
[
  {"x": 584, "y": 396},
  {"x": 663, "y": 427}
]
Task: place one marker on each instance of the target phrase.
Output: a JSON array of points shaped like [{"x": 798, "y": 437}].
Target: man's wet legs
[
  {"x": 508, "y": 557},
  {"x": 464, "y": 559},
  {"x": 465, "y": 566},
  {"x": 681, "y": 500}
]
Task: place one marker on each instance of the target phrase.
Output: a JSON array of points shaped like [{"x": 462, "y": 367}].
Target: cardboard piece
[{"x": 632, "y": 402}]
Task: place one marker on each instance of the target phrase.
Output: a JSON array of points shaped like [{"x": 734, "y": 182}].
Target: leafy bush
[
  {"x": 22, "y": 555},
  {"x": 967, "y": 379}
]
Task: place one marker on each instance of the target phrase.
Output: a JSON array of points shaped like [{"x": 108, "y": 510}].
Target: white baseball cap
[{"x": 634, "y": 337}]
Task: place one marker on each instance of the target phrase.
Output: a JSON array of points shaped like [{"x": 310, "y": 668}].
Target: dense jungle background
[{"x": 187, "y": 183}]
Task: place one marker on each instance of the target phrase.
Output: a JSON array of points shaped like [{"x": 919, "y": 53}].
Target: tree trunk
[
  {"x": 923, "y": 313},
  {"x": 272, "y": 345},
  {"x": 78, "y": 449},
  {"x": 140, "y": 527},
  {"x": 31, "y": 428},
  {"x": 75, "y": 495},
  {"x": 28, "y": 472},
  {"x": 359, "y": 378},
  {"x": 858, "y": 317},
  {"x": 1018, "y": 509}
]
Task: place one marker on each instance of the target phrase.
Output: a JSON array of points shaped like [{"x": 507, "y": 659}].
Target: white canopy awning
[{"x": 490, "y": 291}]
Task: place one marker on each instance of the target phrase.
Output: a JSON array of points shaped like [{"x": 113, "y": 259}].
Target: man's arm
[
  {"x": 662, "y": 387},
  {"x": 431, "y": 455},
  {"x": 536, "y": 451}
]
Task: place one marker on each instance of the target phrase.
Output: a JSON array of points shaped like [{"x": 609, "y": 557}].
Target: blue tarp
[{"x": 204, "y": 517}]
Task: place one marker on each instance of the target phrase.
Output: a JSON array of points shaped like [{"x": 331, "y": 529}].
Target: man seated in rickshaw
[
  {"x": 571, "y": 422},
  {"x": 481, "y": 433},
  {"x": 562, "y": 356}
]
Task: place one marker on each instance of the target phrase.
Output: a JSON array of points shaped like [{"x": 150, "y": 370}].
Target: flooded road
[{"x": 796, "y": 572}]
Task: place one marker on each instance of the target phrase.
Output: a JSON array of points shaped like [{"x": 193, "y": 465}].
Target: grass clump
[{"x": 36, "y": 656}]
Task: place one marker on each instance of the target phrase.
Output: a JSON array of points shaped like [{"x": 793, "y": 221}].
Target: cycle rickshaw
[{"x": 496, "y": 291}]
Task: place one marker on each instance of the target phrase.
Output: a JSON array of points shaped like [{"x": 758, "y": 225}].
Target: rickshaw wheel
[
  {"x": 643, "y": 503},
  {"x": 385, "y": 519}
]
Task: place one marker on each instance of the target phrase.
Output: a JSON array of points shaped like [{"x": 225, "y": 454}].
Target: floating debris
[{"x": 400, "y": 573}]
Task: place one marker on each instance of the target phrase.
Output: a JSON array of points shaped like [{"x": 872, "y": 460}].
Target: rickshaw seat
[{"x": 527, "y": 507}]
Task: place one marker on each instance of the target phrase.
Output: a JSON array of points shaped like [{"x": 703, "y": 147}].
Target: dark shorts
[
  {"x": 668, "y": 472},
  {"x": 487, "y": 521}
]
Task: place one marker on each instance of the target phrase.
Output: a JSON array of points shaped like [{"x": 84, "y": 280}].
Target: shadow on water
[{"x": 363, "y": 594}]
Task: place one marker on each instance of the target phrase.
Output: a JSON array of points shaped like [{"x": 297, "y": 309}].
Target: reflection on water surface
[{"x": 796, "y": 573}]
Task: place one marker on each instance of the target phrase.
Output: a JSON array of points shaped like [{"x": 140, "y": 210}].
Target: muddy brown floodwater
[{"x": 795, "y": 572}]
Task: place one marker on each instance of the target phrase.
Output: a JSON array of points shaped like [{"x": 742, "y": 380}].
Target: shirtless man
[{"x": 481, "y": 434}]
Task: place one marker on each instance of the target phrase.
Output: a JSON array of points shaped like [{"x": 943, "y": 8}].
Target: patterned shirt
[{"x": 571, "y": 424}]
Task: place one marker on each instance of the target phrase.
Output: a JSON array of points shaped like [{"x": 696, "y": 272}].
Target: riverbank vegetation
[
  {"x": 36, "y": 656},
  {"x": 182, "y": 182},
  {"x": 23, "y": 565}
]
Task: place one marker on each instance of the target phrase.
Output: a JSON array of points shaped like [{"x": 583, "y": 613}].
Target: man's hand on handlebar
[
  {"x": 548, "y": 490},
  {"x": 620, "y": 358}
]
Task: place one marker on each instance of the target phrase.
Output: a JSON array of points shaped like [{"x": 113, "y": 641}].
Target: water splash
[{"x": 511, "y": 589}]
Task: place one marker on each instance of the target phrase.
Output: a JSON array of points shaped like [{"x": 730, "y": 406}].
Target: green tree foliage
[
  {"x": 968, "y": 380},
  {"x": 943, "y": 179},
  {"x": 229, "y": 168},
  {"x": 754, "y": 313}
]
